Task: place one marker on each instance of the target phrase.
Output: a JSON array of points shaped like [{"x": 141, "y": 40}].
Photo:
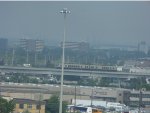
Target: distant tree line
[{"x": 50, "y": 57}]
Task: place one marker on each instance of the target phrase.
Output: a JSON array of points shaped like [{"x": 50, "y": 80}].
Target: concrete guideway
[{"x": 54, "y": 71}]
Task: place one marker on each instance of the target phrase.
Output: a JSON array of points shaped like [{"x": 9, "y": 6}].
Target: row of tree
[
  {"x": 133, "y": 83},
  {"x": 6, "y": 106},
  {"x": 51, "y": 56}
]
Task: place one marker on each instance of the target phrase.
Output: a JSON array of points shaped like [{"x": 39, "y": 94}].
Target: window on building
[
  {"x": 21, "y": 106},
  {"x": 119, "y": 94},
  {"x": 38, "y": 106},
  {"x": 94, "y": 110},
  {"x": 30, "y": 106}
]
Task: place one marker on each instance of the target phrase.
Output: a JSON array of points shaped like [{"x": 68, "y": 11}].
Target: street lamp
[{"x": 64, "y": 12}]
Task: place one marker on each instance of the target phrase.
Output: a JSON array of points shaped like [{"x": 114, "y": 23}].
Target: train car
[
  {"x": 109, "y": 68},
  {"x": 88, "y": 67}
]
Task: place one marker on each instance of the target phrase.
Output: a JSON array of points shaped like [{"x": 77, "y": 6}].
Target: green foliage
[
  {"x": 6, "y": 106},
  {"x": 19, "y": 78},
  {"x": 147, "y": 86},
  {"x": 52, "y": 105},
  {"x": 88, "y": 81},
  {"x": 137, "y": 83},
  {"x": 104, "y": 82}
]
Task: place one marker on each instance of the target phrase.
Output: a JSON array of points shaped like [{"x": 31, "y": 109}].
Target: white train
[{"x": 88, "y": 67}]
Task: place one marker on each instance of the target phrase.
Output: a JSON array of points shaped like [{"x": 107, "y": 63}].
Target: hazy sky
[{"x": 120, "y": 23}]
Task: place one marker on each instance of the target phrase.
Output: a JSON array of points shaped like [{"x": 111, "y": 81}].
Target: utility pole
[
  {"x": 0, "y": 98},
  {"x": 0, "y": 89},
  {"x": 140, "y": 101},
  {"x": 40, "y": 98},
  {"x": 27, "y": 60},
  {"x": 119, "y": 82},
  {"x": 6, "y": 57},
  {"x": 13, "y": 54},
  {"x": 92, "y": 92},
  {"x": 92, "y": 98},
  {"x": 35, "y": 57},
  {"x": 74, "y": 99},
  {"x": 45, "y": 60},
  {"x": 75, "y": 95},
  {"x": 140, "y": 96}
]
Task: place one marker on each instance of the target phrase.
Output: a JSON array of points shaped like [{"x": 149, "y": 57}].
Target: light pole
[{"x": 64, "y": 12}]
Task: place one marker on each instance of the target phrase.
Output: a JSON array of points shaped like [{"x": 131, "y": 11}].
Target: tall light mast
[{"x": 64, "y": 12}]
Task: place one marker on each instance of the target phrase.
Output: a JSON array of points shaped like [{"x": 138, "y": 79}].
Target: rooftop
[{"x": 27, "y": 101}]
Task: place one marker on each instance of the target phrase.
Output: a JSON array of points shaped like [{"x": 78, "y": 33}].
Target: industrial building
[
  {"x": 32, "y": 45},
  {"x": 142, "y": 47},
  {"x": 140, "y": 97},
  {"x": 3, "y": 45},
  {"x": 76, "y": 46}
]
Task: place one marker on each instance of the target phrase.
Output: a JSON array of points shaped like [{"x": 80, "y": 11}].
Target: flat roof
[{"x": 28, "y": 101}]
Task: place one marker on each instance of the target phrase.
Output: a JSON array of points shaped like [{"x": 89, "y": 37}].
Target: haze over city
[
  {"x": 99, "y": 23},
  {"x": 95, "y": 59}
]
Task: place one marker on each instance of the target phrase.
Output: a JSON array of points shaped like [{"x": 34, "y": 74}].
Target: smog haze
[{"x": 117, "y": 23}]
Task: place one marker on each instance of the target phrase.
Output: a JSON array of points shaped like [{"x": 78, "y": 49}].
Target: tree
[
  {"x": 104, "y": 82},
  {"x": 52, "y": 105},
  {"x": 6, "y": 106}
]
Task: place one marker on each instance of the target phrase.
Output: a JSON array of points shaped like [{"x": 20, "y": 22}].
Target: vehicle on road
[{"x": 82, "y": 109}]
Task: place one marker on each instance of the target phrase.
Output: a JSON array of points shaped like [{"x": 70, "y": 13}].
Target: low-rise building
[
  {"x": 3, "y": 45},
  {"x": 32, "y": 45},
  {"x": 76, "y": 46},
  {"x": 141, "y": 98},
  {"x": 32, "y": 106}
]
